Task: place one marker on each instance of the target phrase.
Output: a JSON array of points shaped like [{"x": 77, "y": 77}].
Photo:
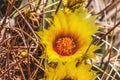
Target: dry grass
[{"x": 20, "y": 47}]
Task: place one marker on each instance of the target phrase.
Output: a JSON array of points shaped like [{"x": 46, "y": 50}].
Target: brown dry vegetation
[{"x": 21, "y": 48}]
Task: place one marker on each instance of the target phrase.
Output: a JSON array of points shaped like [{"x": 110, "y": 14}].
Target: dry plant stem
[
  {"x": 21, "y": 70},
  {"x": 43, "y": 15},
  {"x": 58, "y": 6},
  {"x": 116, "y": 14},
  {"x": 40, "y": 6},
  {"x": 30, "y": 4},
  {"x": 89, "y": 1},
  {"x": 114, "y": 3},
  {"x": 107, "y": 53},
  {"x": 109, "y": 6},
  {"x": 21, "y": 35},
  {"x": 10, "y": 67},
  {"x": 114, "y": 75},
  {"x": 41, "y": 66},
  {"x": 34, "y": 73},
  {"x": 98, "y": 41},
  {"x": 5, "y": 41},
  {"x": 26, "y": 23},
  {"x": 7, "y": 59},
  {"x": 116, "y": 71},
  {"x": 47, "y": 12},
  {"x": 104, "y": 72},
  {"x": 84, "y": 56},
  {"x": 28, "y": 66},
  {"x": 107, "y": 63},
  {"x": 27, "y": 34},
  {"x": 114, "y": 58},
  {"x": 2, "y": 34},
  {"x": 37, "y": 7},
  {"x": 22, "y": 8},
  {"x": 9, "y": 8},
  {"x": 14, "y": 48},
  {"x": 106, "y": 43},
  {"x": 2, "y": 54},
  {"x": 52, "y": 4}
]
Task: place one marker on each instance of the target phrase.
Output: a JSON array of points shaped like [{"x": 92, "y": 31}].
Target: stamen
[{"x": 65, "y": 46}]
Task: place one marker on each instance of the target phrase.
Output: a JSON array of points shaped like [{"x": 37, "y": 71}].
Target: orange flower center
[{"x": 65, "y": 46}]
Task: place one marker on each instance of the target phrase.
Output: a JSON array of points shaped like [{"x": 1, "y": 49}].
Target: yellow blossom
[
  {"x": 69, "y": 36},
  {"x": 70, "y": 71}
]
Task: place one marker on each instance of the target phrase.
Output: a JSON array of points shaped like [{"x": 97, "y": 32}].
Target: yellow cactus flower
[
  {"x": 69, "y": 36},
  {"x": 70, "y": 71}
]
